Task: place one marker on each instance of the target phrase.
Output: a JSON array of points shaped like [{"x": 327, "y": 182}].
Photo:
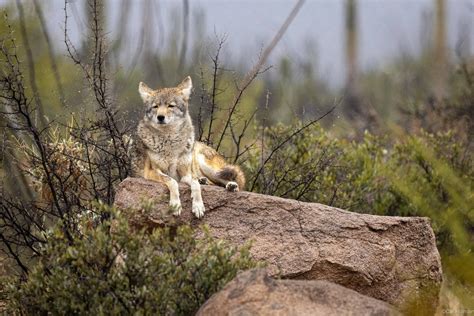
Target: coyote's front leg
[
  {"x": 198, "y": 205},
  {"x": 172, "y": 184}
]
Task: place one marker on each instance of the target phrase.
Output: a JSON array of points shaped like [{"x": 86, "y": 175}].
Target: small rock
[{"x": 255, "y": 293}]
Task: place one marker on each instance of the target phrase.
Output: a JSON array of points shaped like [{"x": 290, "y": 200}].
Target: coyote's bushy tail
[
  {"x": 233, "y": 173},
  {"x": 224, "y": 175}
]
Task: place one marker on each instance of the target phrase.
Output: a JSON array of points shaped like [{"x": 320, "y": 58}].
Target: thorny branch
[{"x": 215, "y": 83}]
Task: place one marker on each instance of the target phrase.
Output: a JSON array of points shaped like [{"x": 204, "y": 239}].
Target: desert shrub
[
  {"x": 316, "y": 167},
  {"x": 109, "y": 270}
]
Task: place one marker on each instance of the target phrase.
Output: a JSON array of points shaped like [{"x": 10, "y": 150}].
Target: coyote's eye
[
  {"x": 172, "y": 105},
  {"x": 155, "y": 107}
]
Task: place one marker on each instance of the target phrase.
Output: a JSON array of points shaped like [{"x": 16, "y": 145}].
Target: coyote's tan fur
[{"x": 167, "y": 152}]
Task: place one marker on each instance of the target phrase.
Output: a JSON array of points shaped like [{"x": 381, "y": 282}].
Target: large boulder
[
  {"x": 393, "y": 259},
  {"x": 255, "y": 293}
]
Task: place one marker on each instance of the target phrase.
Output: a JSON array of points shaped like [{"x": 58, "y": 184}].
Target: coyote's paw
[
  {"x": 198, "y": 209},
  {"x": 176, "y": 208},
  {"x": 203, "y": 180},
  {"x": 232, "y": 186}
]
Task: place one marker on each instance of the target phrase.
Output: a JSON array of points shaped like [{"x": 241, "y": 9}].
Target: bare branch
[{"x": 215, "y": 83}]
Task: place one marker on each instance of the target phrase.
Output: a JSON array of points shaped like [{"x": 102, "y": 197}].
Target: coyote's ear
[
  {"x": 145, "y": 91},
  {"x": 186, "y": 86}
]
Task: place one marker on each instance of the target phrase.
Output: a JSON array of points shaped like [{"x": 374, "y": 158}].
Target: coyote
[{"x": 165, "y": 149}]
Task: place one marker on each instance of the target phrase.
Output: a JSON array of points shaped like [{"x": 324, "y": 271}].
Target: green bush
[
  {"x": 110, "y": 270},
  {"x": 316, "y": 167}
]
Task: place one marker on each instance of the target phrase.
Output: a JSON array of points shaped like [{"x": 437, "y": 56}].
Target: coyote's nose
[{"x": 161, "y": 118}]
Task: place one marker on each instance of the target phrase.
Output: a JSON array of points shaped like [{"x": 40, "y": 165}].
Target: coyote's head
[{"x": 167, "y": 105}]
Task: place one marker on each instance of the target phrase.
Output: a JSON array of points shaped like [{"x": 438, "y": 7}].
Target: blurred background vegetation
[{"x": 398, "y": 142}]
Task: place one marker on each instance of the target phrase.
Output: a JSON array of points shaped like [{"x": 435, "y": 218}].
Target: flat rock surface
[{"x": 393, "y": 259}]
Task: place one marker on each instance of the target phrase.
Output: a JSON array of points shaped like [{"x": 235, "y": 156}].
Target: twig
[
  {"x": 215, "y": 81},
  {"x": 202, "y": 98},
  {"x": 281, "y": 144}
]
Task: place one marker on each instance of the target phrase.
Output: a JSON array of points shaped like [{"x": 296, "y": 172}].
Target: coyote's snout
[{"x": 166, "y": 152}]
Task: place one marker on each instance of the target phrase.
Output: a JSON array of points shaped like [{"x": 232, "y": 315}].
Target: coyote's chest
[{"x": 167, "y": 149}]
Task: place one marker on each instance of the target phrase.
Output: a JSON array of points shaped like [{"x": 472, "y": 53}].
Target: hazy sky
[{"x": 386, "y": 27}]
